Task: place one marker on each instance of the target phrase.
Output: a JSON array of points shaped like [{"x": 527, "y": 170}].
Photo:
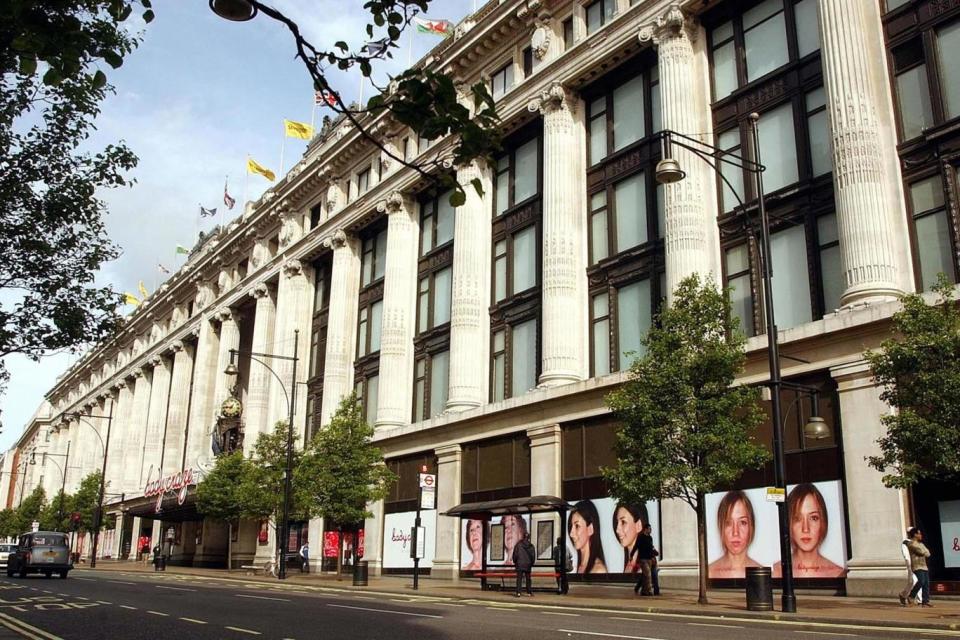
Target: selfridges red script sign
[{"x": 178, "y": 483}]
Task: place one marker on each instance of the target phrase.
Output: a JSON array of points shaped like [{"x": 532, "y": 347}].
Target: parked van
[{"x": 45, "y": 552}]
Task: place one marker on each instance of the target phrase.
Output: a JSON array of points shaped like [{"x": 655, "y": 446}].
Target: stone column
[
  {"x": 175, "y": 430},
  {"x": 259, "y": 378},
  {"x": 136, "y": 428},
  {"x": 223, "y": 383},
  {"x": 446, "y": 561},
  {"x": 156, "y": 420},
  {"x": 342, "y": 327},
  {"x": 201, "y": 399},
  {"x": 294, "y": 312},
  {"x": 875, "y": 520},
  {"x": 545, "y": 473},
  {"x": 679, "y": 563},
  {"x": 691, "y": 235},
  {"x": 469, "y": 318},
  {"x": 563, "y": 227},
  {"x": 399, "y": 311},
  {"x": 864, "y": 206},
  {"x": 373, "y": 538},
  {"x": 121, "y": 417}
]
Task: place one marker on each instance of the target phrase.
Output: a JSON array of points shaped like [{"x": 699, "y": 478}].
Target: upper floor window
[
  {"x": 599, "y": 13},
  {"x": 436, "y": 223},
  {"x": 363, "y": 181},
  {"x": 567, "y": 33},
  {"x": 624, "y": 115},
  {"x": 517, "y": 176},
  {"x": 501, "y": 80},
  {"x": 750, "y": 45},
  {"x": 931, "y": 228},
  {"x": 374, "y": 258}
]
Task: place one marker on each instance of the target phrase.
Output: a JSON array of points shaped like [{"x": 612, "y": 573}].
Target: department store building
[{"x": 481, "y": 341}]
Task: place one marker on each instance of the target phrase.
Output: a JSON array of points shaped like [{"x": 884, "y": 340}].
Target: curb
[{"x": 754, "y": 616}]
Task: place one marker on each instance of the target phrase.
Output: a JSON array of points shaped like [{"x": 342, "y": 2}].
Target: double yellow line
[{"x": 24, "y": 629}]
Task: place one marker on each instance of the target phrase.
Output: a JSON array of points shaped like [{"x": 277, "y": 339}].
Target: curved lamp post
[
  {"x": 235, "y": 10},
  {"x": 669, "y": 171},
  {"x": 98, "y": 514},
  {"x": 291, "y": 397}
]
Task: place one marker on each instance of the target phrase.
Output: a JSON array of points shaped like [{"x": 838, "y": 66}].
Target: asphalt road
[{"x": 127, "y": 606}]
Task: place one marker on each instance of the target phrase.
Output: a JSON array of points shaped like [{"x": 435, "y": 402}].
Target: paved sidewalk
[{"x": 880, "y": 612}]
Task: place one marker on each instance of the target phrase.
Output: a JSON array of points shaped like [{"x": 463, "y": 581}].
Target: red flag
[
  {"x": 227, "y": 199},
  {"x": 323, "y": 97}
]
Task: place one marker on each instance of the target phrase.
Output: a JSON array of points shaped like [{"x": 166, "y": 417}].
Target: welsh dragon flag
[{"x": 436, "y": 27}]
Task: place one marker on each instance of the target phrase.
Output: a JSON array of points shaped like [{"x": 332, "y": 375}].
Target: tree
[
  {"x": 86, "y": 500},
  {"x": 262, "y": 486},
  {"x": 342, "y": 471},
  {"x": 52, "y": 236},
  {"x": 429, "y": 102},
  {"x": 30, "y": 509},
  {"x": 8, "y": 524},
  {"x": 919, "y": 370},
  {"x": 55, "y": 515},
  {"x": 685, "y": 429},
  {"x": 218, "y": 494}
]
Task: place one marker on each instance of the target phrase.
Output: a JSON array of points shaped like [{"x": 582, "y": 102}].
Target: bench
[
  {"x": 251, "y": 569},
  {"x": 503, "y": 575}
]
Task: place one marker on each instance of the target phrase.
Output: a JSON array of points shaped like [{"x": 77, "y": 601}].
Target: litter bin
[
  {"x": 759, "y": 589},
  {"x": 360, "y": 574}
]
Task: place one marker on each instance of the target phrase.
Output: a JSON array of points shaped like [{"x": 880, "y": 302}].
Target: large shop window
[
  {"x": 626, "y": 219},
  {"x": 400, "y": 511},
  {"x": 586, "y": 448},
  {"x": 754, "y": 72},
  {"x": 318, "y": 341},
  {"x": 369, "y": 319},
  {"x": 749, "y": 44},
  {"x": 496, "y": 469},
  {"x": 515, "y": 285},
  {"x": 435, "y": 282},
  {"x": 403, "y": 493}
]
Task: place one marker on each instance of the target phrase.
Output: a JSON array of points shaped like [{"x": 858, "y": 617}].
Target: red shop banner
[{"x": 331, "y": 544}]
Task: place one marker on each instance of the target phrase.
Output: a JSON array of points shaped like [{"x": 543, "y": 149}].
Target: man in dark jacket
[
  {"x": 646, "y": 554},
  {"x": 524, "y": 555}
]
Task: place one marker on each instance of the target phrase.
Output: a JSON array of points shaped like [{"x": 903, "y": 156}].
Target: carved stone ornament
[
  {"x": 463, "y": 29},
  {"x": 393, "y": 203},
  {"x": 224, "y": 315},
  {"x": 292, "y": 268},
  {"x": 541, "y": 39},
  {"x": 673, "y": 23},
  {"x": 336, "y": 240},
  {"x": 156, "y": 361},
  {"x": 259, "y": 290},
  {"x": 552, "y": 98},
  {"x": 223, "y": 281},
  {"x": 333, "y": 196},
  {"x": 176, "y": 346},
  {"x": 259, "y": 256},
  {"x": 528, "y": 8}
]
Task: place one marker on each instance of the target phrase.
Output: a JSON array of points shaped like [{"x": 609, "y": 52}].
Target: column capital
[
  {"x": 448, "y": 453},
  {"x": 259, "y": 290},
  {"x": 552, "y": 99},
  {"x": 156, "y": 361},
  {"x": 336, "y": 240},
  {"x": 853, "y": 375},
  {"x": 139, "y": 372},
  {"x": 395, "y": 202},
  {"x": 292, "y": 268},
  {"x": 544, "y": 435},
  {"x": 224, "y": 315},
  {"x": 674, "y": 23}
]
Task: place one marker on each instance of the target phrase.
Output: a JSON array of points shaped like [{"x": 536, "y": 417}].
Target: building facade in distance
[{"x": 482, "y": 340}]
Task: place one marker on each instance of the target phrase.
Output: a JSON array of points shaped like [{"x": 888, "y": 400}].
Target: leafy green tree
[
  {"x": 52, "y": 236},
  {"x": 8, "y": 524},
  {"x": 342, "y": 470},
  {"x": 261, "y": 487},
  {"x": 218, "y": 494},
  {"x": 685, "y": 429},
  {"x": 919, "y": 370},
  {"x": 85, "y": 501},
  {"x": 55, "y": 515},
  {"x": 30, "y": 509}
]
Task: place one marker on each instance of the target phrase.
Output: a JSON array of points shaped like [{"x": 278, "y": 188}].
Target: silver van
[{"x": 45, "y": 552}]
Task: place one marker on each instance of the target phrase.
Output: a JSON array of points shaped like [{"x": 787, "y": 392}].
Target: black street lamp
[
  {"x": 291, "y": 397},
  {"x": 98, "y": 514},
  {"x": 235, "y": 10},
  {"x": 63, "y": 476},
  {"x": 669, "y": 171}
]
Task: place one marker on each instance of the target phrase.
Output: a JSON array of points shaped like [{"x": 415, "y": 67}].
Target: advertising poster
[
  {"x": 950, "y": 533},
  {"x": 396, "y": 538},
  {"x": 743, "y": 531},
  {"x": 601, "y": 545}
]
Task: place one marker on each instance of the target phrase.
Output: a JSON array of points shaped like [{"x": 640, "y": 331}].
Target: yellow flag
[
  {"x": 129, "y": 298},
  {"x": 297, "y": 130},
  {"x": 143, "y": 290},
  {"x": 253, "y": 167}
]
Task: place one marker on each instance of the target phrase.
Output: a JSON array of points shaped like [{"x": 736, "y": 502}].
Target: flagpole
[
  {"x": 156, "y": 278},
  {"x": 362, "y": 82},
  {"x": 413, "y": 32},
  {"x": 246, "y": 176},
  {"x": 283, "y": 144},
  {"x": 313, "y": 112}
]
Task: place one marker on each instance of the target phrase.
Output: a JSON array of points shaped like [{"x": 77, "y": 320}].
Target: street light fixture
[
  {"x": 98, "y": 514},
  {"x": 291, "y": 397},
  {"x": 669, "y": 171},
  {"x": 234, "y": 10},
  {"x": 63, "y": 476}
]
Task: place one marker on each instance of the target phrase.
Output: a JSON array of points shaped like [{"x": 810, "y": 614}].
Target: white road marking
[
  {"x": 607, "y": 635},
  {"x": 160, "y": 586},
  {"x": 126, "y": 606},
  {"x": 193, "y": 621},
  {"x": 399, "y": 613},
  {"x": 242, "y": 595},
  {"x": 501, "y": 609},
  {"x": 159, "y": 613},
  {"x": 557, "y": 613},
  {"x": 631, "y": 619},
  {"x": 253, "y": 633},
  {"x": 709, "y": 624},
  {"x": 85, "y": 579},
  {"x": 104, "y": 602},
  {"x": 449, "y": 604},
  {"x": 25, "y": 629},
  {"x": 829, "y": 633},
  {"x": 120, "y": 582}
]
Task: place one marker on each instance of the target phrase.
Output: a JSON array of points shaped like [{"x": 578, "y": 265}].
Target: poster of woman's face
[
  {"x": 743, "y": 531},
  {"x": 473, "y": 545},
  {"x": 508, "y": 530},
  {"x": 602, "y": 533}
]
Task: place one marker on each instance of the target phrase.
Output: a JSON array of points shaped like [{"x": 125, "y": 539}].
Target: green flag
[{"x": 182, "y": 249}]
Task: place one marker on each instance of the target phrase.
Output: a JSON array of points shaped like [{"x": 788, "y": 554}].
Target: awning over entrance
[{"x": 485, "y": 510}]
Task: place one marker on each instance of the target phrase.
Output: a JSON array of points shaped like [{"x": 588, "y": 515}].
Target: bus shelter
[{"x": 485, "y": 511}]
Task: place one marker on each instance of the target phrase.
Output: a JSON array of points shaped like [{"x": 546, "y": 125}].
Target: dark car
[{"x": 45, "y": 552}]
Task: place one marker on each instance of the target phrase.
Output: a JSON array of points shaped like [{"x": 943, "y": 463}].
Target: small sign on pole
[
  {"x": 776, "y": 494},
  {"x": 428, "y": 498},
  {"x": 418, "y": 543},
  {"x": 428, "y": 481},
  {"x": 35, "y": 526}
]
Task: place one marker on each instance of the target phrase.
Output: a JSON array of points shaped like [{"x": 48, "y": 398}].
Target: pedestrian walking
[
  {"x": 646, "y": 555},
  {"x": 910, "y": 578},
  {"x": 305, "y": 558},
  {"x": 524, "y": 555},
  {"x": 918, "y": 562},
  {"x": 158, "y": 563},
  {"x": 655, "y": 571},
  {"x": 562, "y": 563}
]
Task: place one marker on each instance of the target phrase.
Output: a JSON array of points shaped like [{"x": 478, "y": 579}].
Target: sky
[{"x": 197, "y": 96}]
